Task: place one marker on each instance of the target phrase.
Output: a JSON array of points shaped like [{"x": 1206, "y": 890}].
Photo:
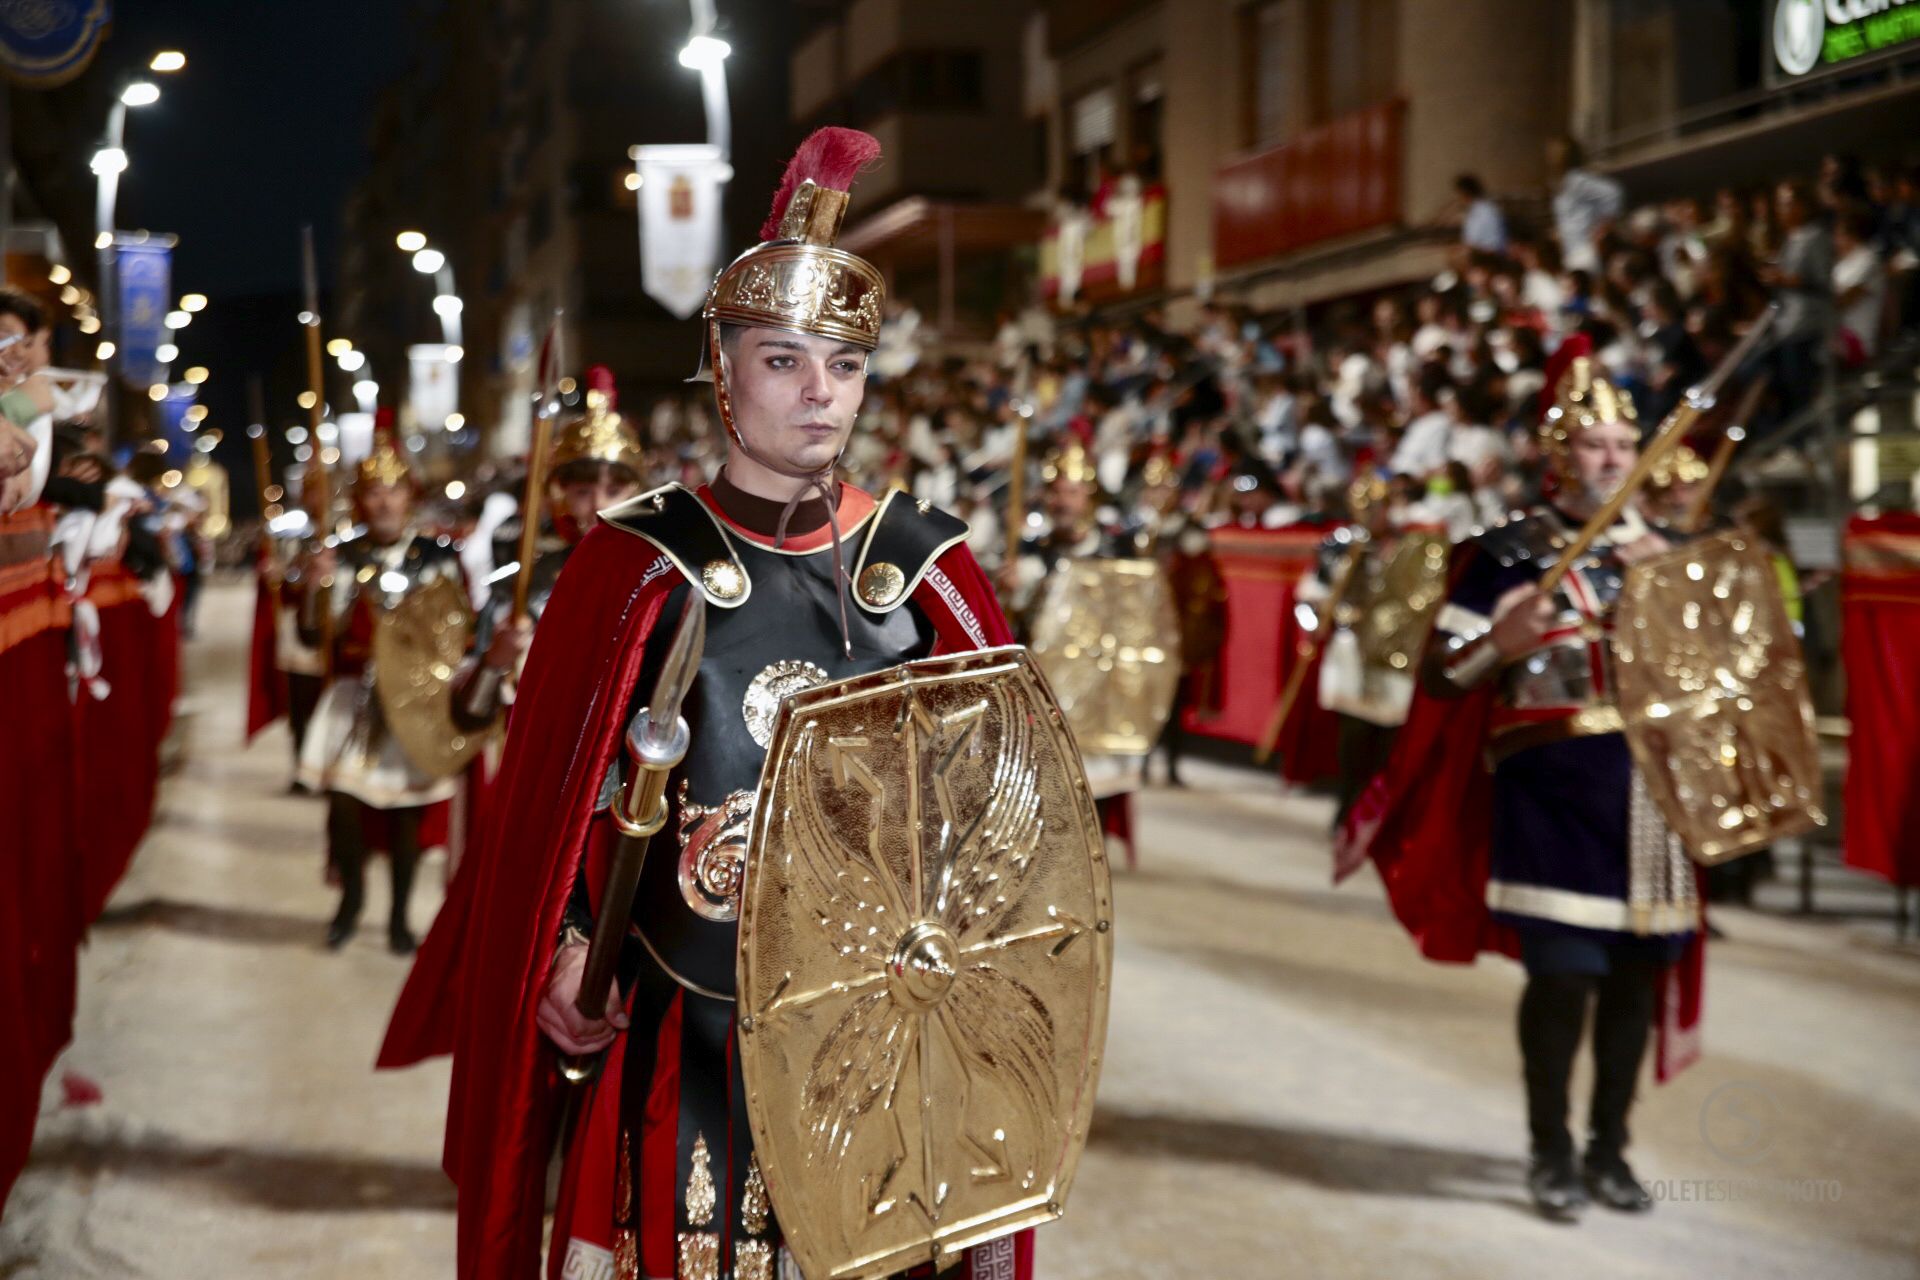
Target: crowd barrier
[{"x": 78, "y": 776}]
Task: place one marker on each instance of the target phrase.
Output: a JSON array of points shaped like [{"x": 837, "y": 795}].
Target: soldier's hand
[
  {"x": 17, "y": 447},
  {"x": 1644, "y": 547},
  {"x": 510, "y": 645},
  {"x": 1521, "y": 619},
  {"x": 563, "y": 1023}
]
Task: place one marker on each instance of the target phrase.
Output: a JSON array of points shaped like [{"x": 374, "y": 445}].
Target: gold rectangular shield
[
  {"x": 1108, "y": 637},
  {"x": 925, "y": 953},
  {"x": 417, "y": 647},
  {"x": 1713, "y": 692}
]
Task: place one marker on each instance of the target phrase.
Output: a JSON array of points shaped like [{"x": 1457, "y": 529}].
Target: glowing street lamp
[
  {"x": 411, "y": 241},
  {"x": 703, "y": 52},
  {"x": 141, "y": 93},
  {"x": 428, "y": 261},
  {"x": 168, "y": 61}
]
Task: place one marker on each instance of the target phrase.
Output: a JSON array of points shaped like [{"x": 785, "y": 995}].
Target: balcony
[{"x": 1336, "y": 180}]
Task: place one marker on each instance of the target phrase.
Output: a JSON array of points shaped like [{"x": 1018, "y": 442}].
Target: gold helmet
[
  {"x": 1583, "y": 398},
  {"x": 1681, "y": 465},
  {"x": 1368, "y": 490},
  {"x": 1070, "y": 462},
  {"x": 387, "y": 463},
  {"x": 1158, "y": 471},
  {"x": 795, "y": 279},
  {"x": 600, "y": 435}
]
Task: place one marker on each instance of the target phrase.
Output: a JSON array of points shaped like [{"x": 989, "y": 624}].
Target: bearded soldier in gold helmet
[
  {"x": 773, "y": 864},
  {"x": 1583, "y": 868},
  {"x": 388, "y": 581}
]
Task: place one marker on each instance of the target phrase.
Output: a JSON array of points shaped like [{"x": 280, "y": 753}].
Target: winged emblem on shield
[
  {"x": 417, "y": 647},
  {"x": 925, "y": 955},
  {"x": 1713, "y": 692},
  {"x": 1108, "y": 636}
]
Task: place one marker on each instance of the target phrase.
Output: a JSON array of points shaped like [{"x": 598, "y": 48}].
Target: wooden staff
[
  {"x": 1699, "y": 400},
  {"x": 1730, "y": 438},
  {"x": 263, "y": 482},
  {"x": 323, "y": 489},
  {"x": 1297, "y": 678},
  {"x": 533, "y": 503},
  {"x": 1017, "y": 487}
]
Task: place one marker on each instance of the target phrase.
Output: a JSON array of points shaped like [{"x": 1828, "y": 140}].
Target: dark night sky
[{"x": 264, "y": 130}]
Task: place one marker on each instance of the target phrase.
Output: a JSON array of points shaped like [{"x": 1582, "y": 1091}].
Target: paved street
[{"x": 1289, "y": 1090}]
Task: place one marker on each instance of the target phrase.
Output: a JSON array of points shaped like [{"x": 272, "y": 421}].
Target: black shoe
[
  {"x": 1555, "y": 1188},
  {"x": 341, "y": 929},
  {"x": 298, "y": 788},
  {"x": 400, "y": 940},
  {"x": 1612, "y": 1183}
]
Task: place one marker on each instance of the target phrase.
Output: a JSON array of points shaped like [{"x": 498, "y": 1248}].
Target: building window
[
  {"x": 1267, "y": 83},
  {"x": 1147, "y": 93},
  {"x": 1090, "y": 132}
]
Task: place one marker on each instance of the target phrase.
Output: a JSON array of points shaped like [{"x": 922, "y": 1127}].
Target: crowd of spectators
[{"x": 1436, "y": 386}]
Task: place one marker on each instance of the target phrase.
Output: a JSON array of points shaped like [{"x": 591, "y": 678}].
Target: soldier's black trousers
[
  {"x": 346, "y": 840},
  {"x": 1553, "y": 1014}
]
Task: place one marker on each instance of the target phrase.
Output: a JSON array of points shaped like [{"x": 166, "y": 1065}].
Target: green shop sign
[{"x": 1808, "y": 34}]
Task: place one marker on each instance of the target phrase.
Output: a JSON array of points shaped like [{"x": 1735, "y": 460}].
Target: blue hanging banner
[
  {"x": 146, "y": 286},
  {"x": 45, "y": 43},
  {"x": 174, "y": 428}
]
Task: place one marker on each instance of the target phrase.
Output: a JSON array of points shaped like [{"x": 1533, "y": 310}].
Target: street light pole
[{"x": 106, "y": 194}]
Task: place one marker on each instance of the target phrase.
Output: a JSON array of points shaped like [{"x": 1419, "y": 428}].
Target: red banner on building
[{"x": 1338, "y": 179}]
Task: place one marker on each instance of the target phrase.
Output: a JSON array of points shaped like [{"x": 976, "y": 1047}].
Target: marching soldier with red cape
[
  {"x": 1511, "y": 816},
  {"x": 803, "y": 580}
]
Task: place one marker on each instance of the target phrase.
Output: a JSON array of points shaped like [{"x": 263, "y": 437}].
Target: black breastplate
[{"x": 784, "y": 637}]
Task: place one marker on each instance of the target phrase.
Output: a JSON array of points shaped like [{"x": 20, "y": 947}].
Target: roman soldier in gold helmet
[
  {"x": 377, "y": 789},
  {"x": 1375, "y": 587},
  {"x": 594, "y": 463},
  {"x": 1583, "y": 878},
  {"x": 789, "y": 578}
]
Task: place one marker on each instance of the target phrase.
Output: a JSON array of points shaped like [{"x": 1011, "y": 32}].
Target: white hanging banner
[
  {"x": 680, "y": 191},
  {"x": 433, "y": 385},
  {"x": 1126, "y": 213},
  {"x": 1070, "y": 246}
]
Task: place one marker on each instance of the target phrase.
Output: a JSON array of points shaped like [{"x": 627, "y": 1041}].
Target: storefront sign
[{"x": 1811, "y": 34}]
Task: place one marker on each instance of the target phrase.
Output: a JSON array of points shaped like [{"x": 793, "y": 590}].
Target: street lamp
[
  {"x": 703, "y": 51},
  {"x": 428, "y": 261},
  {"x": 109, "y": 162},
  {"x": 411, "y": 241}
]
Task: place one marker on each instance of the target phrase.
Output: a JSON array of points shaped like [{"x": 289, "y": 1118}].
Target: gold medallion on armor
[
  {"x": 417, "y": 646},
  {"x": 1108, "y": 637},
  {"x": 881, "y": 584},
  {"x": 1713, "y": 694},
  {"x": 766, "y": 691},
  {"x": 924, "y": 959},
  {"x": 713, "y": 853},
  {"x": 724, "y": 579}
]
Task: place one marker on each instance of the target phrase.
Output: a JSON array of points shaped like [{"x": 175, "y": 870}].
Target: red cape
[
  {"x": 1425, "y": 821},
  {"x": 478, "y": 978},
  {"x": 266, "y": 683}
]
